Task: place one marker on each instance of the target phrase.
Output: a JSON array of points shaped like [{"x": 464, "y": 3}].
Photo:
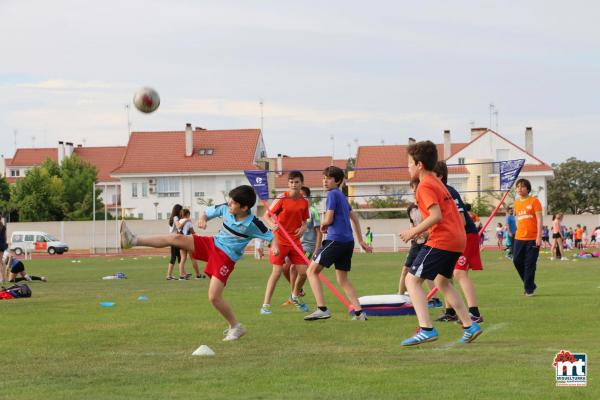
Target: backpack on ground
[{"x": 16, "y": 291}]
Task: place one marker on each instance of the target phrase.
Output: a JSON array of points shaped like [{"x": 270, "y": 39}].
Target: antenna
[
  {"x": 472, "y": 123},
  {"x": 262, "y": 104},
  {"x": 16, "y": 132},
  {"x": 496, "y": 116},
  {"x": 491, "y": 114},
  {"x": 33, "y": 141},
  {"x": 332, "y": 138},
  {"x": 127, "y": 110}
]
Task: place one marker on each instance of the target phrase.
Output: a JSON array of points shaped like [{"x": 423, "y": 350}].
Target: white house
[
  {"x": 193, "y": 167},
  {"x": 473, "y": 166}
]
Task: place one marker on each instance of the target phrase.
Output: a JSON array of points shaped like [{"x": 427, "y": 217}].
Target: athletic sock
[
  {"x": 474, "y": 311},
  {"x": 323, "y": 309},
  {"x": 427, "y": 329},
  {"x": 450, "y": 311}
]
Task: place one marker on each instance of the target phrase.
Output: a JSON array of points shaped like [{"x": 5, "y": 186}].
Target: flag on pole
[
  {"x": 509, "y": 172},
  {"x": 259, "y": 181}
]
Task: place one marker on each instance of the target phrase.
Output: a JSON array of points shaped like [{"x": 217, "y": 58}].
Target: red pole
[
  {"x": 434, "y": 290},
  {"x": 337, "y": 294}
]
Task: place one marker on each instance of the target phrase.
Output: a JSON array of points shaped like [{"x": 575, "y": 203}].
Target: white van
[{"x": 35, "y": 241}]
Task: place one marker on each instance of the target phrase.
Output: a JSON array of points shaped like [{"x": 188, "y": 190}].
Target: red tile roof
[
  {"x": 31, "y": 157},
  {"x": 164, "y": 152},
  {"x": 311, "y": 167},
  {"x": 105, "y": 159},
  {"x": 389, "y": 163}
]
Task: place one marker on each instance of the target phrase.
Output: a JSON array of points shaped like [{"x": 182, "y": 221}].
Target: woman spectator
[{"x": 175, "y": 227}]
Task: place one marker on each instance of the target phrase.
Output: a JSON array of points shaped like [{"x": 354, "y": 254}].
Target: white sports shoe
[
  {"x": 127, "y": 237},
  {"x": 317, "y": 314},
  {"x": 361, "y": 317},
  {"x": 234, "y": 333}
]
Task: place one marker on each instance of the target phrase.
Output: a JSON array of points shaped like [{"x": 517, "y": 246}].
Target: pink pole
[
  {"x": 434, "y": 290},
  {"x": 332, "y": 288}
]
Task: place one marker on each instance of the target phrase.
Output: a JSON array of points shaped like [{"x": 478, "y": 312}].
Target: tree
[
  {"x": 4, "y": 196},
  {"x": 78, "y": 177},
  {"x": 575, "y": 188},
  {"x": 38, "y": 196}
]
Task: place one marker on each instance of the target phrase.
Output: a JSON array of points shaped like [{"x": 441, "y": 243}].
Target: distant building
[
  {"x": 105, "y": 159},
  {"x": 193, "y": 167},
  {"x": 378, "y": 173}
]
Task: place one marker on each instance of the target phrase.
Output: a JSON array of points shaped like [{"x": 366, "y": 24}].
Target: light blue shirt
[{"x": 234, "y": 236}]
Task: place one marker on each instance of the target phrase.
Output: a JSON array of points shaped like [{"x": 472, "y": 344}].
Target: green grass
[{"x": 60, "y": 344}]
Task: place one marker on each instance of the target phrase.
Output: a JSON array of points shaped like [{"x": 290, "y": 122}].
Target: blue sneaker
[
  {"x": 471, "y": 333},
  {"x": 302, "y": 307},
  {"x": 434, "y": 303},
  {"x": 421, "y": 336}
]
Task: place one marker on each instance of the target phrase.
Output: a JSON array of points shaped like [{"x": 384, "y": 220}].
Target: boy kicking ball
[
  {"x": 220, "y": 252},
  {"x": 446, "y": 242}
]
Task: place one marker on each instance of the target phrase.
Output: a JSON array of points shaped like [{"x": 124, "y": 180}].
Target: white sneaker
[
  {"x": 361, "y": 317},
  {"x": 127, "y": 237},
  {"x": 317, "y": 314},
  {"x": 234, "y": 333},
  {"x": 564, "y": 259},
  {"x": 551, "y": 258},
  {"x": 266, "y": 309}
]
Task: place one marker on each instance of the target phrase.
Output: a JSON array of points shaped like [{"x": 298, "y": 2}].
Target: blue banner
[
  {"x": 509, "y": 172},
  {"x": 260, "y": 183}
]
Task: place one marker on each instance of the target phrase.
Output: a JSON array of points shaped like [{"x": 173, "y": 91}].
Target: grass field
[{"x": 60, "y": 344}]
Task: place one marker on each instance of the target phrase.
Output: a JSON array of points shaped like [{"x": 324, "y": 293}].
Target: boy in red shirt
[
  {"x": 446, "y": 242},
  {"x": 291, "y": 210}
]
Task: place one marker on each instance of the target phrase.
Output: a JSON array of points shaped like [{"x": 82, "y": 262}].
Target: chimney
[
  {"x": 68, "y": 149},
  {"x": 61, "y": 152},
  {"x": 447, "y": 145},
  {"x": 189, "y": 144},
  {"x": 529, "y": 139},
  {"x": 476, "y": 132},
  {"x": 279, "y": 167},
  {"x": 411, "y": 141}
]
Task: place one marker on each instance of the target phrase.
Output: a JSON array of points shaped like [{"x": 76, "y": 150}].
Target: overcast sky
[{"x": 364, "y": 72}]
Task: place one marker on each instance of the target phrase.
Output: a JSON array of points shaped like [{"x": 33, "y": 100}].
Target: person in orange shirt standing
[{"x": 528, "y": 238}]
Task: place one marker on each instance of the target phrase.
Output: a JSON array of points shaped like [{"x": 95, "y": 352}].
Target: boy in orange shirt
[
  {"x": 528, "y": 238},
  {"x": 291, "y": 209},
  {"x": 446, "y": 242}
]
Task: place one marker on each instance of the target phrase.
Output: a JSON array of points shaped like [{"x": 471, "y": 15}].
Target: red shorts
[
  {"x": 471, "y": 257},
  {"x": 289, "y": 252},
  {"x": 218, "y": 264}
]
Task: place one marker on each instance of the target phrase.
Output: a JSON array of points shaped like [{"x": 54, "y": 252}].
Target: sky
[{"x": 362, "y": 73}]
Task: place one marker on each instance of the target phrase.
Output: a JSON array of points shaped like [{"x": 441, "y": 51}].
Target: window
[
  {"x": 209, "y": 152},
  {"x": 198, "y": 194},
  {"x": 15, "y": 172},
  {"x": 144, "y": 189},
  {"x": 134, "y": 192},
  {"x": 40, "y": 238},
  {"x": 17, "y": 238},
  {"x": 141, "y": 215},
  {"x": 461, "y": 160},
  {"x": 167, "y": 187},
  {"x": 159, "y": 216},
  {"x": 201, "y": 152},
  {"x": 29, "y": 238}
]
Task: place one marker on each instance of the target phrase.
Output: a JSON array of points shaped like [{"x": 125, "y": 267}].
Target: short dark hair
[
  {"x": 425, "y": 152},
  {"x": 441, "y": 170},
  {"x": 244, "y": 195},
  {"x": 296, "y": 174},
  {"x": 524, "y": 182},
  {"x": 306, "y": 190},
  {"x": 334, "y": 172}
]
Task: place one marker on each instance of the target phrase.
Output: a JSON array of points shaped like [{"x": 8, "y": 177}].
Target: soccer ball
[{"x": 146, "y": 100}]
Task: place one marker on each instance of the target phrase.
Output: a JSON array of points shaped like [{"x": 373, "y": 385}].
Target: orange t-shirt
[
  {"x": 291, "y": 212},
  {"x": 525, "y": 210},
  {"x": 578, "y": 234},
  {"x": 448, "y": 234}
]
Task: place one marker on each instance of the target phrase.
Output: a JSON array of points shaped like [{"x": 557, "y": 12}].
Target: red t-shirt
[
  {"x": 291, "y": 213},
  {"x": 448, "y": 234}
]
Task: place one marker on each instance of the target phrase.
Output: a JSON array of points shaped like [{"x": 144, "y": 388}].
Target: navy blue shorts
[
  {"x": 412, "y": 253},
  {"x": 338, "y": 253},
  {"x": 430, "y": 262},
  {"x": 18, "y": 267}
]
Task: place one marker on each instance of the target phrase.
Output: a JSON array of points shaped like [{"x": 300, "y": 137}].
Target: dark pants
[
  {"x": 525, "y": 255},
  {"x": 511, "y": 249},
  {"x": 175, "y": 255}
]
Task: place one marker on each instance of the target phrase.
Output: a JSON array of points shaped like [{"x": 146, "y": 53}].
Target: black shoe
[{"x": 447, "y": 318}]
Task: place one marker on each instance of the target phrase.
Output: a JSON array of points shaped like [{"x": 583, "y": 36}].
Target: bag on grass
[{"x": 18, "y": 290}]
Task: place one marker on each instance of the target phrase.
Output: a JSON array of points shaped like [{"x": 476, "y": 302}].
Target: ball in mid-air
[{"x": 146, "y": 100}]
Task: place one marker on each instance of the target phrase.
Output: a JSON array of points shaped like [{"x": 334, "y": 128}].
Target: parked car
[{"x": 36, "y": 241}]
